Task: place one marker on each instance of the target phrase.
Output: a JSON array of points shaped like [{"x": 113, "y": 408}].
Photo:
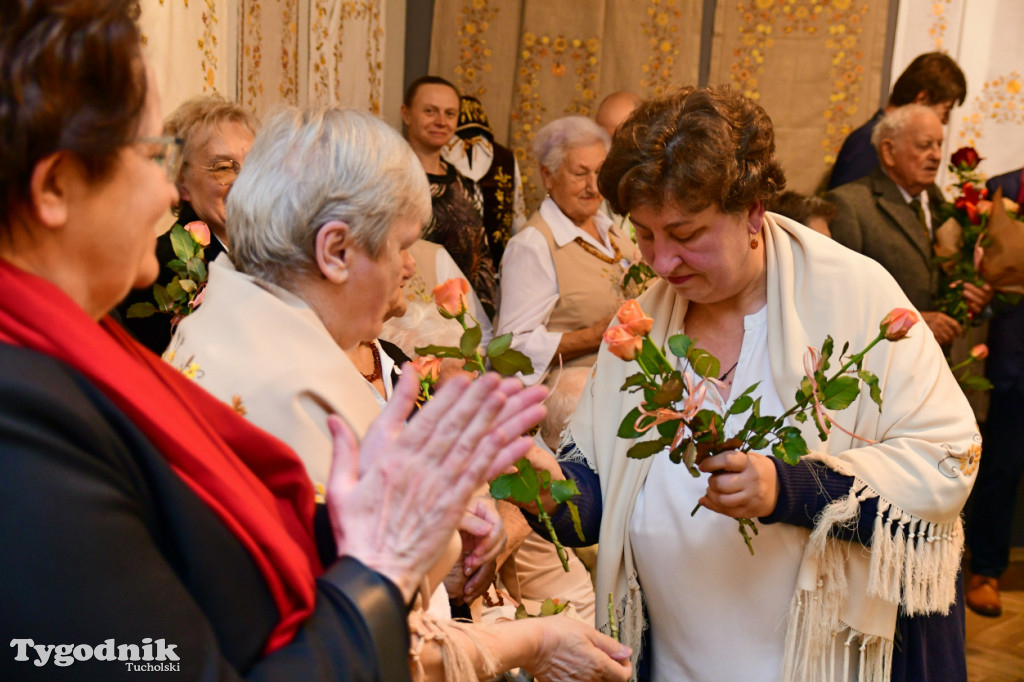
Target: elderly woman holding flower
[
  {"x": 855, "y": 564},
  {"x": 561, "y": 275},
  {"x": 321, "y": 220},
  {"x": 216, "y": 135}
]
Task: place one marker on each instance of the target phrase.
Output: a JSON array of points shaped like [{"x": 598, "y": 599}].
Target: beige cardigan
[{"x": 921, "y": 470}]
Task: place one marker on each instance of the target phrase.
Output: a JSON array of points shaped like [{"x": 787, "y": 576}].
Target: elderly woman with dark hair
[
  {"x": 216, "y": 136},
  {"x": 860, "y": 541},
  {"x": 138, "y": 513},
  {"x": 561, "y": 274}
]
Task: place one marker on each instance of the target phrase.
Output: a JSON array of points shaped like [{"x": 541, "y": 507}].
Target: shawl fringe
[
  {"x": 913, "y": 563},
  {"x": 629, "y": 616},
  {"x": 456, "y": 661},
  {"x": 568, "y": 451}
]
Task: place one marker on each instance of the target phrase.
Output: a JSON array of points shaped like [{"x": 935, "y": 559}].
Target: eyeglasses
[
  {"x": 223, "y": 172},
  {"x": 169, "y": 154}
]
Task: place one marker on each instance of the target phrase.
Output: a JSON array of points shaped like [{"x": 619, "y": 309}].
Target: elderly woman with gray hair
[
  {"x": 321, "y": 221},
  {"x": 561, "y": 275}
]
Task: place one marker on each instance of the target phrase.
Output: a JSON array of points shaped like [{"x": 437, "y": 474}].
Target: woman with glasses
[{"x": 215, "y": 137}]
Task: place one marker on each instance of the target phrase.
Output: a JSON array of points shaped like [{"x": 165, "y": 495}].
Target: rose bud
[
  {"x": 979, "y": 352},
  {"x": 427, "y": 367},
  {"x": 897, "y": 323},
  {"x": 966, "y": 158},
  {"x": 450, "y": 297},
  {"x": 622, "y": 342},
  {"x": 199, "y": 231},
  {"x": 632, "y": 315}
]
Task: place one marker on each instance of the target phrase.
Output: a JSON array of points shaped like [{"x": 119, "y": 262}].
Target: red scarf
[{"x": 253, "y": 482}]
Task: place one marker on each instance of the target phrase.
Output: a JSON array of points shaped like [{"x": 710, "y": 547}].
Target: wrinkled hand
[
  {"x": 572, "y": 651},
  {"x": 743, "y": 485},
  {"x": 395, "y": 498},
  {"x": 944, "y": 327},
  {"x": 483, "y": 539},
  {"x": 977, "y": 297}
]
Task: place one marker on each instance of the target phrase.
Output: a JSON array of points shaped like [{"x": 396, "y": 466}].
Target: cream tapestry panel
[
  {"x": 533, "y": 61},
  {"x": 814, "y": 65},
  {"x": 268, "y": 41},
  {"x": 984, "y": 39},
  {"x": 346, "y": 53},
  {"x": 187, "y": 42}
]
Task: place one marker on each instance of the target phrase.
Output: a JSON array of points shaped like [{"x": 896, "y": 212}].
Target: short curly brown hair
[
  {"x": 71, "y": 78},
  {"x": 694, "y": 148}
]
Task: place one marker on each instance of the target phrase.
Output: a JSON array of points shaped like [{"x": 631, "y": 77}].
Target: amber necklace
[
  {"x": 377, "y": 368},
  {"x": 593, "y": 251}
]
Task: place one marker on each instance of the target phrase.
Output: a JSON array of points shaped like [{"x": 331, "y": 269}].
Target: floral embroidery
[
  {"x": 237, "y": 406},
  {"x": 473, "y": 22},
  {"x": 969, "y": 461},
  {"x": 1001, "y": 101},
  {"x": 661, "y": 28}
]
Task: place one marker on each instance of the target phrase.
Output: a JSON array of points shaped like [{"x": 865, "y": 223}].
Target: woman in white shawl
[{"x": 856, "y": 564}]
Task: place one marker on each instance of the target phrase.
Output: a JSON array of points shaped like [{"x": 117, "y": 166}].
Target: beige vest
[{"x": 589, "y": 287}]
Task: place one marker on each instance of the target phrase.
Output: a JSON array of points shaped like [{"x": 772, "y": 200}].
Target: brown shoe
[{"x": 983, "y": 596}]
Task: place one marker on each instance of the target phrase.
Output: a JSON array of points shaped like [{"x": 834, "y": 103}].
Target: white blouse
[
  {"x": 529, "y": 285},
  {"x": 695, "y": 571}
]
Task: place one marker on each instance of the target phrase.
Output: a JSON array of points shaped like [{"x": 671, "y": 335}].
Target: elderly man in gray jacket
[{"x": 891, "y": 214}]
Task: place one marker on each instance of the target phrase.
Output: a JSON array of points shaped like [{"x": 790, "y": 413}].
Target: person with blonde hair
[{"x": 216, "y": 135}]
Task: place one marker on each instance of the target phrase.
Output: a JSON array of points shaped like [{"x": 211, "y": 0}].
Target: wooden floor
[{"x": 995, "y": 646}]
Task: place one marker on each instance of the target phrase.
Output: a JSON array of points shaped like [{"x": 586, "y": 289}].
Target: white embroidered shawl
[{"x": 921, "y": 470}]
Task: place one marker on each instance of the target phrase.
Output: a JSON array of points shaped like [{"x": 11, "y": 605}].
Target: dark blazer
[
  {"x": 154, "y": 332},
  {"x": 1010, "y": 182},
  {"x": 874, "y": 220},
  {"x": 857, "y": 157},
  {"x": 102, "y": 540}
]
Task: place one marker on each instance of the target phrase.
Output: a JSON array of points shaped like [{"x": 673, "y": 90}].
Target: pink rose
[
  {"x": 632, "y": 316},
  {"x": 966, "y": 158},
  {"x": 622, "y": 342},
  {"x": 427, "y": 367},
  {"x": 979, "y": 352},
  {"x": 897, "y": 323},
  {"x": 200, "y": 232},
  {"x": 450, "y": 297}
]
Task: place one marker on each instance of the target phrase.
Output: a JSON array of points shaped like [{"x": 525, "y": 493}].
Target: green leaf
[
  {"x": 626, "y": 428},
  {"x": 638, "y": 379},
  {"x": 670, "y": 391},
  {"x": 469, "y": 342},
  {"x": 704, "y": 363},
  {"x": 577, "y": 525},
  {"x": 182, "y": 243},
  {"x": 679, "y": 345},
  {"x": 973, "y": 382},
  {"x": 826, "y": 352},
  {"x": 791, "y": 445},
  {"x": 510, "y": 362},
  {"x": 872, "y": 382},
  {"x": 196, "y": 270},
  {"x": 522, "y": 486},
  {"x": 668, "y": 429},
  {"x": 175, "y": 291},
  {"x": 741, "y": 404},
  {"x": 141, "y": 310},
  {"x": 163, "y": 299},
  {"x": 187, "y": 285},
  {"x": 646, "y": 448},
  {"x": 677, "y": 453},
  {"x": 178, "y": 266},
  {"x": 840, "y": 392},
  {"x": 563, "y": 491},
  {"x": 499, "y": 344},
  {"x": 439, "y": 351},
  {"x": 650, "y": 356},
  {"x": 545, "y": 479},
  {"x": 521, "y": 613}
]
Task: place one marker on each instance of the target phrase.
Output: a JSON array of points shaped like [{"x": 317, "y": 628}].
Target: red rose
[{"x": 965, "y": 158}]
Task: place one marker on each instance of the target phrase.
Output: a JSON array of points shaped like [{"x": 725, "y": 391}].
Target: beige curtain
[
  {"x": 814, "y": 65},
  {"x": 532, "y": 61}
]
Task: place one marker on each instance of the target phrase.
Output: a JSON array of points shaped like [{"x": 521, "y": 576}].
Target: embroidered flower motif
[{"x": 969, "y": 462}]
